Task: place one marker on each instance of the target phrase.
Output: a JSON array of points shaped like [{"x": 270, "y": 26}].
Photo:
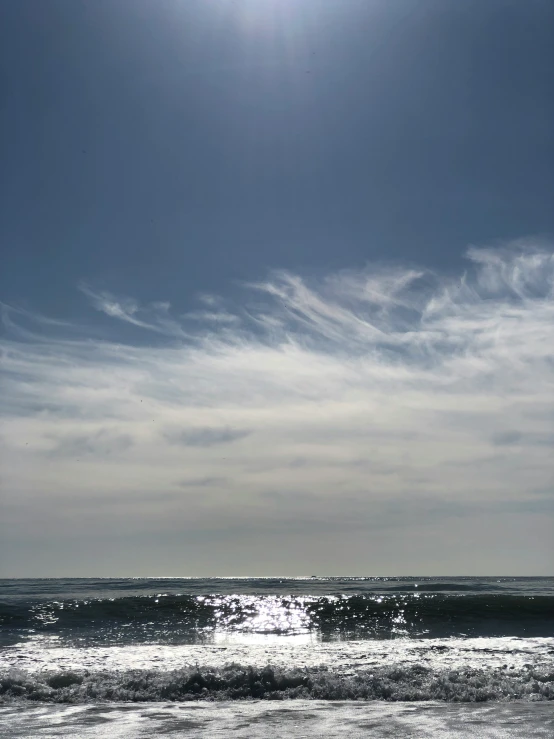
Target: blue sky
[{"x": 311, "y": 240}]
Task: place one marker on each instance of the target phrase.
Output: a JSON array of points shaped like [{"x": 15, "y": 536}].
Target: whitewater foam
[
  {"x": 454, "y": 669},
  {"x": 297, "y": 719}
]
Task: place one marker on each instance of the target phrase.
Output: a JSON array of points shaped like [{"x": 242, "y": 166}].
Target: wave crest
[
  {"x": 188, "y": 619},
  {"x": 234, "y": 682}
]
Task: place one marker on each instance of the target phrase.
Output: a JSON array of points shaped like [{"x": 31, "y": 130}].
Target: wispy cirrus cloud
[
  {"x": 356, "y": 394},
  {"x": 154, "y": 317}
]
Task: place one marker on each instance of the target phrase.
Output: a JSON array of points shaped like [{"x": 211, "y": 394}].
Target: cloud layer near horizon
[{"x": 348, "y": 420}]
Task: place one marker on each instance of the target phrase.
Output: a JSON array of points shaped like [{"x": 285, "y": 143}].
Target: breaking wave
[{"x": 234, "y": 682}]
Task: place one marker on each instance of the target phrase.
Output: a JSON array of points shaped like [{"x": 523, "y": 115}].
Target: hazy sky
[{"x": 277, "y": 287}]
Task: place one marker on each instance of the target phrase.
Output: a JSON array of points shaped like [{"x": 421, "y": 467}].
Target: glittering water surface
[{"x": 182, "y": 611}]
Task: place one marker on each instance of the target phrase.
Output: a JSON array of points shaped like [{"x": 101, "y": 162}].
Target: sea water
[{"x": 352, "y": 656}]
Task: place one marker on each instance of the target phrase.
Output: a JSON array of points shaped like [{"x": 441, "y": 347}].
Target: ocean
[{"x": 272, "y": 657}]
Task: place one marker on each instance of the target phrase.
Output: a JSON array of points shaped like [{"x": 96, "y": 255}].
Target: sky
[{"x": 277, "y": 287}]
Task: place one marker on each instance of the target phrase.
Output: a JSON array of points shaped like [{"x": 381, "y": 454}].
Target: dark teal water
[{"x": 188, "y": 611}]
